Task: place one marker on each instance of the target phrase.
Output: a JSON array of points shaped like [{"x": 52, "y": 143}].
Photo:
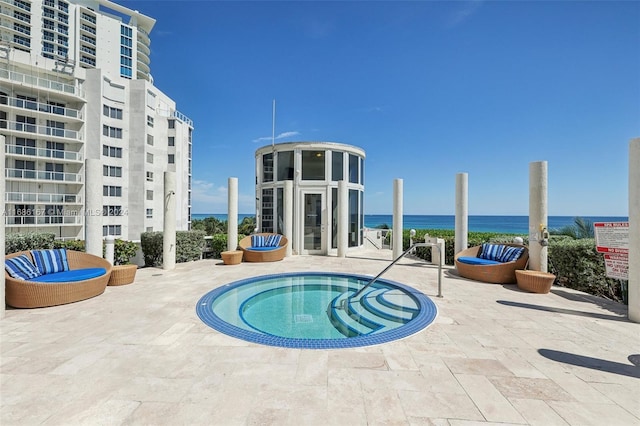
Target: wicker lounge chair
[
  {"x": 501, "y": 273},
  {"x": 271, "y": 255},
  {"x": 30, "y": 294}
]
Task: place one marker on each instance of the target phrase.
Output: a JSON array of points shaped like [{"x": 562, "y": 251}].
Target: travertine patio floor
[{"x": 138, "y": 354}]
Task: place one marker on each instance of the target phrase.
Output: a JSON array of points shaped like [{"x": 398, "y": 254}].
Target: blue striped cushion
[
  {"x": 21, "y": 268},
  {"x": 511, "y": 253},
  {"x": 258, "y": 241},
  {"x": 273, "y": 240},
  {"x": 51, "y": 261},
  {"x": 491, "y": 251}
]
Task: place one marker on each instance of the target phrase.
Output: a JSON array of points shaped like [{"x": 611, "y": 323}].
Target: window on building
[
  {"x": 353, "y": 218},
  {"x": 112, "y": 211},
  {"x": 111, "y": 151},
  {"x": 112, "y": 132},
  {"x": 27, "y": 169},
  {"x": 25, "y": 214},
  {"x": 353, "y": 168},
  {"x": 149, "y": 195},
  {"x": 172, "y": 158},
  {"x": 267, "y": 168},
  {"x": 111, "y": 191},
  {"x": 149, "y": 213},
  {"x": 150, "y": 140},
  {"x": 149, "y": 121},
  {"x": 55, "y": 128},
  {"x": 55, "y": 171},
  {"x": 313, "y": 165},
  {"x": 267, "y": 210},
  {"x": 285, "y": 165},
  {"x": 171, "y": 124},
  {"x": 112, "y": 112},
  {"x": 28, "y": 102},
  {"x": 55, "y": 149},
  {"x": 149, "y": 176},
  {"x": 149, "y": 158},
  {"x": 112, "y": 171},
  {"x": 53, "y": 213},
  {"x": 26, "y": 124},
  {"x": 172, "y": 141},
  {"x": 29, "y": 146},
  {"x": 111, "y": 230},
  {"x": 337, "y": 166}
]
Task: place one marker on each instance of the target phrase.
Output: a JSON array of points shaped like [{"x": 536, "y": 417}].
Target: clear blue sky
[{"x": 427, "y": 89}]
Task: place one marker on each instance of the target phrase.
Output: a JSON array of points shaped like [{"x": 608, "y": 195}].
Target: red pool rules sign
[{"x": 612, "y": 239}]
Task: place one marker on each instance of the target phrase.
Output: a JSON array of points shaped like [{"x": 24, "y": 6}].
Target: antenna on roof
[{"x": 273, "y": 125}]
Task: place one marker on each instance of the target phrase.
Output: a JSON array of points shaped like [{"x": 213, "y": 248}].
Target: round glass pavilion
[{"x": 315, "y": 168}]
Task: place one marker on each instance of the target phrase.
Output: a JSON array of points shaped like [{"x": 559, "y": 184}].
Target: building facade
[
  {"x": 76, "y": 84},
  {"x": 315, "y": 168}
]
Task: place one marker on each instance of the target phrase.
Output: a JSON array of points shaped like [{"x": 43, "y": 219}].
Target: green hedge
[
  {"x": 578, "y": 265},
  {"x": 188, "y": 246},
  {"x": 28, "y": 241}
]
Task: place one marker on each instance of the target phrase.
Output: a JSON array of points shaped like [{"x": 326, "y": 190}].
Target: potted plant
[{"x": 123, "y": 271}]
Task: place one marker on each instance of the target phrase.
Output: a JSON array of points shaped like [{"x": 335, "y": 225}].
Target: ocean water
[{"x": 500, "y": 224}]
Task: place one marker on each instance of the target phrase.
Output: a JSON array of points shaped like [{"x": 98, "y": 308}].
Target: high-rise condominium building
[{"x": 76, "y": 85}]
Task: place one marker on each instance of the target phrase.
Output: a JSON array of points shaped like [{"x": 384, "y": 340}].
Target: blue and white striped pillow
[
  {"x": 491, "y": 251},
  {"x": 511, "y": 253},
  {"x": 258, "y": 241},
  {"x": 21, "y": 268},
  {"x": 51, "y": 261},
  {"x": 273, "y": 240}
]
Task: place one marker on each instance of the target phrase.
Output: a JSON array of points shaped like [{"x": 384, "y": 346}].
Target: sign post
[{"x": 612, "y": 239}]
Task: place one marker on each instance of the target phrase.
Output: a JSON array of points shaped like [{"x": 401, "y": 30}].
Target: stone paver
[{"x": 139, "y": 355}]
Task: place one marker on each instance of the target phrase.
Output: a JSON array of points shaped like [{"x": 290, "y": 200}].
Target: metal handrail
[{"x": 359, "y": 292}]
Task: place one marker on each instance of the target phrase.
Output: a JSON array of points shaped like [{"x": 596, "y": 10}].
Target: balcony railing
[
  {"x": 38, "y": 106},
  {"x": 29, "y": 197},
  {"x": 40, "y": 82},
  {"x": 42, "y": 175},
  {"x": 43, "y": 152},
  {"x": 41, "y": 130},
  {"x": 180, "y": 116},
  {"x": 44, "y": 220}
]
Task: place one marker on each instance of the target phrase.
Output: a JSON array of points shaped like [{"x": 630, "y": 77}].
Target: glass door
[{"x": 313, "y": 226}]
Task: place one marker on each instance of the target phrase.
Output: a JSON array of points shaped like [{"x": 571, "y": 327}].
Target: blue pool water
[{"x": 315, "y": 310}]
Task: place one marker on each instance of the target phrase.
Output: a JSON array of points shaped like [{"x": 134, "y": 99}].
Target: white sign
[
  {"x": 617, "y": 266},
  {"x": 612, "y": 237}
]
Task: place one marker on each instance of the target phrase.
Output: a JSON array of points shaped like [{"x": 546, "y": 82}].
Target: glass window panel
[
  {"x": 353, "y": 218},
  {"x": 353, "y": 168},
  {"x": 334, "y": 217},
  {"x": 285, "y": 165},
  {"x": 337, "y": 166},
  {"x": 313, "y": 165},
  {"x": 267, "y": 168}
]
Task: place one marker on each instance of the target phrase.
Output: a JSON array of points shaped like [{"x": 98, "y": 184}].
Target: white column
[
  {"x": 232, "y": 214},
  {"x": 343, "y": 218},
  {"x": 462, "y": 212},
  {"x": 109, "y": 248},
  {"x": 169, "y": 225},
  {"x": 2, "y": 231},
  {"x": 538, "y": 232},
  {"x": 397, "y": 217},
  {"x": 634, "y": 230},
  {"x": 288, "y": 215},
  {"x": 93, "y": 207}
]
